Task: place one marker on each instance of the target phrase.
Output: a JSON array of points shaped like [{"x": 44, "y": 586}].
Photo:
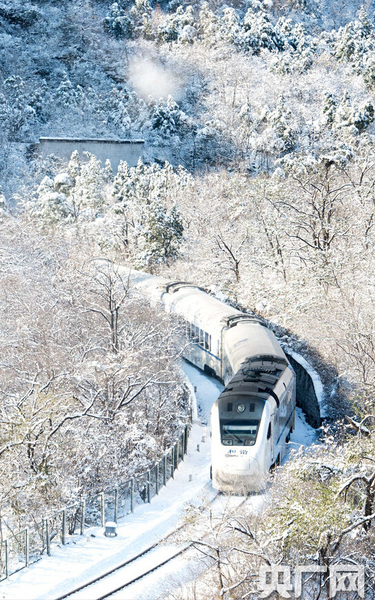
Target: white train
[{"x": 253, "y": 417}]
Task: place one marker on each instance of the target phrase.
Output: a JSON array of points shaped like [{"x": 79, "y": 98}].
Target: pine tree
[
  {"x": 118, "y": 23},
  {"x": 167, "y": 118},
  {"x": 160, "y": 236}
]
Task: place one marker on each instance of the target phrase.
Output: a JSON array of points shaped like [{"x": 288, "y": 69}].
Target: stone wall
[
  {"x": 114, "y": 150},
  {"x": 306, "y": 396}
]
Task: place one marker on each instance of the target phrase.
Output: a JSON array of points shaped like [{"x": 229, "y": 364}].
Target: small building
[{"x": 103, "y": 149}]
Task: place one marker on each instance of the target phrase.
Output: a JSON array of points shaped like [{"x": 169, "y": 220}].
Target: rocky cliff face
[{"x": 306, "y": 396}]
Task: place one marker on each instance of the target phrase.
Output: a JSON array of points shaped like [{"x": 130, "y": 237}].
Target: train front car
[{"x": 254, "y": 415}]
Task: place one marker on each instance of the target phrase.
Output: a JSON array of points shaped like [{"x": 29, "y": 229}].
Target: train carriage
[{"x": 252, "y": 419}]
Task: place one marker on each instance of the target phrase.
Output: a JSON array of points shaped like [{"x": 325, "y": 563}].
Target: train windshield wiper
[{"x": 233, "y": 436}]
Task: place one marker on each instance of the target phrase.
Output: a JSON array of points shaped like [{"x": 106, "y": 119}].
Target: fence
[{"x": 29, "y": 545}]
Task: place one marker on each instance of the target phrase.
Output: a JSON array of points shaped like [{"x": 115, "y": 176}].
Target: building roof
[{"x": 101, "y": 140}]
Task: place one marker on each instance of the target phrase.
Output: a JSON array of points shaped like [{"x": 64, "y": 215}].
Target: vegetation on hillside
[{"x": 257, "y": 182}]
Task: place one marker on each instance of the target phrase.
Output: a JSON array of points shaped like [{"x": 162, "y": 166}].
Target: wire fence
[{"x": 29, "y": 545}]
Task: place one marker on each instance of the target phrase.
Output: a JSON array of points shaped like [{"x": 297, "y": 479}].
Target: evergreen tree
[
  {"x": 160, "y": 236},
  {"x": 118, "y": 23},
  {"x": 167, "y": 118},
  {"x": 141, "y": 15},
  {"x": 346, "y": 115},
  {"x": 177, "y": 26}
]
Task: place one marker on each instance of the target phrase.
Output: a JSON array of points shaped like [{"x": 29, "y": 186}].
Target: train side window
[
  {"x": 252, "y": 407},
  {"x": 207, "y": 341},
  {"x": 269, "y": 432}
]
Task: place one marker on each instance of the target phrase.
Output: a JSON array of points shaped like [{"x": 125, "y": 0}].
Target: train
[{"x": 252, "y": 419}]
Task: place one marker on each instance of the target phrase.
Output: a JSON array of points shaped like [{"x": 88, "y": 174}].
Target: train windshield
[{"x": 239, "y": 433}]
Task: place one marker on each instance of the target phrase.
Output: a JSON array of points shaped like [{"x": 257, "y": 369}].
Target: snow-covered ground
[{"x": 92, "y": 554}]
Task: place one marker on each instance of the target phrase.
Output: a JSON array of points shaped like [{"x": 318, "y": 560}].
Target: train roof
[
  {"x": 255, "y": 341},
  {"x": 245, "y": 336},
  {"x": 199, "y": 307},
  {"x": 190, "y": 301}
]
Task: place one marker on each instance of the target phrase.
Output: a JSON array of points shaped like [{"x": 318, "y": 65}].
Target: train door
[
  {"x": 271, "y": 441},
  {"x": 276, "y": 433}
]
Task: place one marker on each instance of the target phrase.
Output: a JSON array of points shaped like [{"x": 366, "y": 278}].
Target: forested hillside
[{"x": 257, "y": 183}]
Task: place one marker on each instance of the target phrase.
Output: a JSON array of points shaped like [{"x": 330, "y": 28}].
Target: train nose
[
  {"x": 240, "y": 477},
  {"x": 239, "y": 464}
]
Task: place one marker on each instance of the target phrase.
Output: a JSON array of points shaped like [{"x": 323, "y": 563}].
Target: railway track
[
  {"x": 137, "y": 557},
  {"x": 134, "y": 569}
]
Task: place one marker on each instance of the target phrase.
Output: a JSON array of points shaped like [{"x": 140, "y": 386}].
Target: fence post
[
  {"x": 6, "y": 560},
  {"x": 132, "y": 494},
  {"x": 63, "y": 528},
  {"x": 83, "y": 515},
  {"x": 116, "y": 505},
  {"x": 27, "y": 547},
  {"x": 102, "y": 514},
  {"x": 165, "y": 469},
  {"x": 148, "y": 486},
  {"x": 48, "y": 541},
  {"x": 157, "y": 477},
  {"x": 172, "y": 466}
]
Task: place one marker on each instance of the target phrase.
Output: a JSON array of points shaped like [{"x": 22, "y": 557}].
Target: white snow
[{"x": 90, "y": 555}]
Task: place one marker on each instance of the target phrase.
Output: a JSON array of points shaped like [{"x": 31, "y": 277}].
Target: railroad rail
[{"x": 187, "y": 546}]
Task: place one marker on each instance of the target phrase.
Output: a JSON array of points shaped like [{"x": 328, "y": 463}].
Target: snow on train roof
[
  {"x": 251, "y": 339},
  {"x": 194, "y": 304},
  {"x": 199, "y": 307}
]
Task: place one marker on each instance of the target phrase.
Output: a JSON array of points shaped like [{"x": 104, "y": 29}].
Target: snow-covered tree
[
  {"x": 168, "y": 119},
  {"x": 77, "y": 194},
  {"x": 118, "y": 23},
  {"x": 92, "y": 366},
  {"x": 3, "y": 206},
  {"x": 344, "y": 114},
  {"x": 178, "y": 26},
  {"x": 159, "y": 237}
]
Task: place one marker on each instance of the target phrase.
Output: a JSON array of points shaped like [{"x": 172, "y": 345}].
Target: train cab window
[
  {"x": 239, "y": 433},
  {"x": 252, "y": 407}
]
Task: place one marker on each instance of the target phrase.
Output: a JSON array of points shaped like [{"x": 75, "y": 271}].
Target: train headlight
[{"x": 241, "y": 408}]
